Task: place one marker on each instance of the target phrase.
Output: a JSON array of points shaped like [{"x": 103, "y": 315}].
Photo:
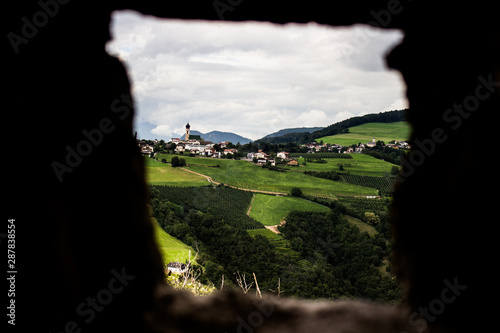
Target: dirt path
[
  {"x": 199, "y": 174},
  {"x": 273, "y": 228},
  {"x": 238, "y": 188},
  {"x": 251, "y": 203}
]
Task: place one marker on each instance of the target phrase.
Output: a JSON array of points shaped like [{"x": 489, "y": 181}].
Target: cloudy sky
[{"x": 253, "y": 78}]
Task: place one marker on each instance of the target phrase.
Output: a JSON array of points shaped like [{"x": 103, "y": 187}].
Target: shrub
[
  {"x": 296, "y": 192},
  {"x": 175, "y": 161}
]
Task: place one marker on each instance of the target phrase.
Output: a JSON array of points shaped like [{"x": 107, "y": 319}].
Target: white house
[
  {"x": 177, "y": 267},
  {"x": 230, "y": 151},
  {"x": 180, "y": 147},
  {"x": 261, "y": 155},
  {"x": 195, "y": 146},
  {"x": 283, "y": 155},
  {"x": 146, "y": 149},
  {"x": 208, "y": 152},
  {"x": 371, "y": 144}
]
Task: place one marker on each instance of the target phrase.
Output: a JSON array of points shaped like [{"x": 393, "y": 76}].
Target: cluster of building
[
  {"x": 314, "y": 147},
  {"x": 193, "y": 144},
  {"x": 262, "y": 158}
]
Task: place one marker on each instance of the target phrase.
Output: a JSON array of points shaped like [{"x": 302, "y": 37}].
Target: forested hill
[
  {"x": 382, "y": 117},
  {"x": 303, "y": 137},
  {"x": 292, "y": 130}
]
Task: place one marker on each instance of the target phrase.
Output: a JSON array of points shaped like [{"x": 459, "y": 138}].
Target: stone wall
[{"x": 69, "y": 105}]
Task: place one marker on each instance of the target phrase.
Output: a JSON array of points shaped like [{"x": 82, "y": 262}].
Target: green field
[
  {"x": 158, "y": 173},
  {"x": 170, "y": 247},
  {"x": 364, "y": 133},
  {"x": 270, "y": 210},
  {"x": 360, "y": 164},
  {"x": 243, "y": 174}
]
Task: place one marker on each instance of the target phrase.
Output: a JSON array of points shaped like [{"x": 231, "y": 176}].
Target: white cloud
[
  {"x": 312, "y": 118},
  {"x": 162, "y": 130},
  {"x": 252, "y": 78}
]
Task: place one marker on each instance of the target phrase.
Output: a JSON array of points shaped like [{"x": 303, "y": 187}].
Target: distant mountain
[
  {"x": 292, "y": 130},
  {"x": 218, "y": 136}
]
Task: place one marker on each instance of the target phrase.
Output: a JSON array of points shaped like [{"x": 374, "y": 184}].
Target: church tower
[{"x": 187, "y": 131}]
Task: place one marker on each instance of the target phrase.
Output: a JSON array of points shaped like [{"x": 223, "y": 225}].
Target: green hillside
[
  {"x": 158, "y": 173},
  {"x": 359, "y": 164},
  {"x": 170, "y": 247},
  {"x": 245, "y": 175},
  {"x": 364, "y": 133},
  {"x": 317, "y": 247},
  {"x": 270, "y": 210}
]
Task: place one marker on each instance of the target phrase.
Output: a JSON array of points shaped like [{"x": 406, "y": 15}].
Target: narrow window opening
[{"x": 236, "y": 211}]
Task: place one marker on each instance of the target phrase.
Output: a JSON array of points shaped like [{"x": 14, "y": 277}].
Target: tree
[
  {"x": 175, "y": 161},
  {"x": 296, "y": 192},
  {"x": 371, "y": 218}
]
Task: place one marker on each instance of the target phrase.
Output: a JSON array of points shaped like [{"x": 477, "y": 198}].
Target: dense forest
[
  {"x": 343, "y": 261},
  {"x": 385, "y": 153},
  {"x": 324, "y": 256}
]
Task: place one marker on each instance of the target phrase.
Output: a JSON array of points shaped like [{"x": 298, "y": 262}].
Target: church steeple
[{"x": 187, "y": 131}]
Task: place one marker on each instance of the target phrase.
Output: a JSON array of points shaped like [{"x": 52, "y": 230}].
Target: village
[{"x": 194, "y": 145}]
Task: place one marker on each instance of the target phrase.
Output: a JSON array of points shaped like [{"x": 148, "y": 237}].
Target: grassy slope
[
  {"x": 362, "y": 226},
  {"x": 270, "y": 210},
  {"x": 246, "y": 175},
  {"x": 163, "y": 174},
  {"x": 170, "y": 247},
  {"x": 360, "y": 164},
  {"x": 243, "y": 174},
  {"x": 364, "y": 133}
]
